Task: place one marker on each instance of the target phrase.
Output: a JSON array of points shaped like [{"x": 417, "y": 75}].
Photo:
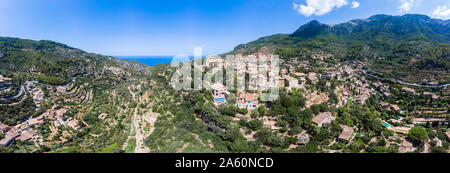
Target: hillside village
[
  {"x": 351, "y": 84},
  {"x": 27, "y": 130},
  {"x": 354, "y": 87},
  {"x": 50, "y": 123},
  {"x": 337, "y": 85}
]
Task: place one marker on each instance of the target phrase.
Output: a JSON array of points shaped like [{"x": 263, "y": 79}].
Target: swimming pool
[{"x": 219, "y": 99}]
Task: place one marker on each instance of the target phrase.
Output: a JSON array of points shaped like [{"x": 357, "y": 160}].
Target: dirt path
[
  {"x": 137, "y": 120},
  {"x": 140, "y": 147},
  {"x": 426, "y": 147}
]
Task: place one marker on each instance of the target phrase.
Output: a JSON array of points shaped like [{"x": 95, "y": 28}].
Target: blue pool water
[
  {"x": 150, "y": 60},
  {"x": 219, "y": 99},
  {"x": 386, "y": 124}
]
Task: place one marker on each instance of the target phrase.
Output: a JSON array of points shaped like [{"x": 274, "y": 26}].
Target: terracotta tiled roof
[
  {"x": 244, "y": 97},
  {"x": 4, "y": 128},
  {"x": 26, "y": 135},
  {"x": 406, "y": 89},
  {"x": 395, "y": 107},
  {"x": 322, "y": 116},
  {"x": 346, "y": 133}
]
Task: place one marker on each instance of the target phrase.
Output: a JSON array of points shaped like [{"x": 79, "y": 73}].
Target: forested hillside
[
  {"x": 385, "y": 41},
  {"x": 336, "y": 94}
]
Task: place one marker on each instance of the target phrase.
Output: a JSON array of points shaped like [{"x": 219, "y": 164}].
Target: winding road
[
  {"x": 21, "y": 91},
  {"x": 22, "y": 88},
  {"x": 407, "y": 83}
]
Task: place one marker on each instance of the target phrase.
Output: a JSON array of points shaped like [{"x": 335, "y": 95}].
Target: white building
[{"x": 247, "y": 100}]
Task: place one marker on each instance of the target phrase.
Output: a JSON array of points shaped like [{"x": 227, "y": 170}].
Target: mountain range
[
  {"x": 82, "y": 102},
  {"x": 384, "y": 40}
]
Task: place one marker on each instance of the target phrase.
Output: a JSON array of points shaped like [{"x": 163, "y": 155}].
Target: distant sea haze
[{"x": 150, "y": 60}]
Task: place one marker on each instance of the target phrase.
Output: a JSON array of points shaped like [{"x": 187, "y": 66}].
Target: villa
[
  {"x": 219, "y": 93},
  {"x": 247, "y": 100},
  {"x": 346, "y": 134}
]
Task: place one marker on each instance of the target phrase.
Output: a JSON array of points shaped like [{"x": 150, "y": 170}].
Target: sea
[{"x": 150, "y": 60}]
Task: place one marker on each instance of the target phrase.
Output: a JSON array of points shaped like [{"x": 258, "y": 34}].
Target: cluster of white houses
[
  {"x": 263, "y": 77},
  {"x": 289, "y": 79},
  {"x": 358, "y": 89},
  {"x": 244, "y": 99}
]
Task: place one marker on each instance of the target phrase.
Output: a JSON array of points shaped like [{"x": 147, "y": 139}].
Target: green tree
[
  {"x": 239, "y": 145},
  {"x": 228, "y": 109},
  {"x": 255, "y": 124},
  {"x": 262, "y": 110},
  {"x": 418, "y": 133}
]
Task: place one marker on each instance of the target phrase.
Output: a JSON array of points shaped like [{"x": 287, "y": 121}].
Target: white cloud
[
  {"x": 442, "y": 11},
  {"x": 355, "y": 4},
  {"x": 406, "y": 5},
  {"x": 318, "y": 7}
]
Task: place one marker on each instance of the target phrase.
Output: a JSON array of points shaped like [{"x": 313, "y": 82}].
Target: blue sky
[{"x": 170, "y": 27}]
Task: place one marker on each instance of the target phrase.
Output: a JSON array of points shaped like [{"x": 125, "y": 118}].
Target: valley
[{"x": 354, "y": 87}]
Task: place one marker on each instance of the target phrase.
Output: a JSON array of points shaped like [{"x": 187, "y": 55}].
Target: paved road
[
  {"x": 21, "y": 91},
  {"x": 22, "y": 88}
]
